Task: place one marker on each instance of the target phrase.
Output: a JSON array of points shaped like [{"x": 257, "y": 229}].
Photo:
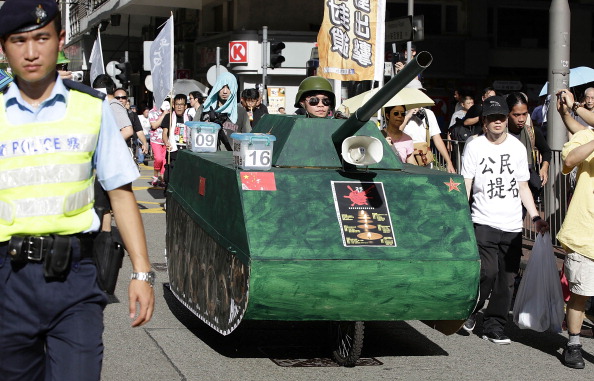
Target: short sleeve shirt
[
  {"x": 112, "y": 160},
  {"x": 120, "y": 114},
  {"x": 574, "y": 234},
  {"x": 157, "y": 134},
  {"x": 496, "y": 170},
  {"x": 416, "y": 128}
]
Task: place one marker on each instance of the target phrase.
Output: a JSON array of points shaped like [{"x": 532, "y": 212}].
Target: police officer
[
  {"x": 55, "y": 136},
  {"x": 316, "y": 97}
]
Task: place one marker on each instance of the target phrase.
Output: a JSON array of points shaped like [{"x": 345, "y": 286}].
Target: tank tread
[{"x": 205, "y": 277}]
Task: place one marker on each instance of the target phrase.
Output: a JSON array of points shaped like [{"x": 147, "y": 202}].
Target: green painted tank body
[
  {"x": 320, "y": 239},
  {"x": 290, "y": 244}
]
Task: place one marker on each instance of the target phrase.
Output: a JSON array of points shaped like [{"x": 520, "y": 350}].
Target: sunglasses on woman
[
  {"x": 403, "y": 113},
  {"x": 313, "y": 101}
]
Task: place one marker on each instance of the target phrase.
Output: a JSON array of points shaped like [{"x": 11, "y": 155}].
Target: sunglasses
[
  {"x": 395, "y": 113},
  {"x": 121, "y": 97},
  {"x": 313, "y": 101}
]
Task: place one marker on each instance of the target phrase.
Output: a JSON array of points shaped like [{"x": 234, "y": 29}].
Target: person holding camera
[
  {"x": 422, "y": 127},
  {"x": 573, "y": 235}
]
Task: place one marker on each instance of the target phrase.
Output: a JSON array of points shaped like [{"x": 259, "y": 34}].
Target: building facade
[{"x": 474, "y": 43}]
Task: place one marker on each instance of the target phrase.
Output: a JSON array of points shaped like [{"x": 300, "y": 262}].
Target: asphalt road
[{"x": 179, "y": 347}]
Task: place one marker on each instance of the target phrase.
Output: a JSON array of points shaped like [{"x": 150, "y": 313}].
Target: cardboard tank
[{"x": 318, "y": 239}]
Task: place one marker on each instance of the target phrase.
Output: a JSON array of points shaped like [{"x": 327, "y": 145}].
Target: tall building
[{"x": 474, "y": 43}]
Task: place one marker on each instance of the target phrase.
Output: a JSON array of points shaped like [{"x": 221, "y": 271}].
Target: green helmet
[
  {"x": 62, "y": 58},
  {"x": 314, "y": 85}
]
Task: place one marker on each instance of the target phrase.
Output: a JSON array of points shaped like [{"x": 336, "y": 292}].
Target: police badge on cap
[{"x": 18, "y": 16}]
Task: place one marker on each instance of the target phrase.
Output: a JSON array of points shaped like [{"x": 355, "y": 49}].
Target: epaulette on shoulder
[{"x": 72, "y": 85}]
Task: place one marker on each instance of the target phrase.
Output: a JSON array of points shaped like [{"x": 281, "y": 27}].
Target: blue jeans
[{"x": 139, "y": 154}]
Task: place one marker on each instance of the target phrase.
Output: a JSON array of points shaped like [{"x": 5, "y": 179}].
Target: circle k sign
[{"x": 238, "y": 51}]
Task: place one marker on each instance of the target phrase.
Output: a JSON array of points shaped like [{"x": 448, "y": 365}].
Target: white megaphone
[{"x": 362, "y": 150}]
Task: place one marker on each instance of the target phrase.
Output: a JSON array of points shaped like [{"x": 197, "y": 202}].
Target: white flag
[
  {"x": 96, "y": 59},
  {"x": 162, "y": 63}
]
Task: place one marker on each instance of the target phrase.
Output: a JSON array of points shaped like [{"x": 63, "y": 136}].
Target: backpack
[{"x": 461, "y": 133}]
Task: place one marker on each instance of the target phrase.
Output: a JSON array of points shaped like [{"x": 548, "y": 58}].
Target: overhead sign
[
  {"x": 238, "y": 52},
  {"x": 399, "y": 30},
  {"x": 507, "y": 85}
]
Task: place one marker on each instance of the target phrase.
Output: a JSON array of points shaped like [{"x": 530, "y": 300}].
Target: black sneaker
[
  {"x": 470, "y": 323},
  {"x": 496, "y": 337},
  {"x": 572, "y": 356}
]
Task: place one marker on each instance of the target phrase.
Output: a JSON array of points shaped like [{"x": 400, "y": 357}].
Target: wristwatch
[
  {"x": 575, "y": 106},
  {"x": 147, "y": 277}
]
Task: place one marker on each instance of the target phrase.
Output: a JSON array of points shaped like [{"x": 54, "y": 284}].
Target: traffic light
[
  {"x": 276, "y": 58},
  {"x": 124, "y": 73}
]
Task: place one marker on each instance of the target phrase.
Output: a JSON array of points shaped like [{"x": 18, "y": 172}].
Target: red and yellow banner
[{"x": 351, "y": 40}]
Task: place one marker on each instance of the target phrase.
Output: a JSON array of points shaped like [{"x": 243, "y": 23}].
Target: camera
[
  {"x": 77, "y": 76},
  {"x": 421, "y": 113}
]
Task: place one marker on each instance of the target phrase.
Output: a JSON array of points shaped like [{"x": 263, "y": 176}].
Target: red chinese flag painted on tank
[{"x": 263, "y": 181}]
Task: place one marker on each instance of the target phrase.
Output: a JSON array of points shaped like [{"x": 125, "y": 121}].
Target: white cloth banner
[
  {"x": 96, "y": 59},
  {"x": 161, "y": 55}
]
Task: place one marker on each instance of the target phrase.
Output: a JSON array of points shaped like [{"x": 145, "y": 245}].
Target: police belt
[{"x": 37, "y": 248}]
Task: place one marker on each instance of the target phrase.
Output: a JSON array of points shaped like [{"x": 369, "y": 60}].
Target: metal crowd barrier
[{"x": 551, "y": 204}]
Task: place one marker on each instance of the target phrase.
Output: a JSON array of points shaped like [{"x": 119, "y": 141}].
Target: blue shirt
[{"x": 112, "y": 160}]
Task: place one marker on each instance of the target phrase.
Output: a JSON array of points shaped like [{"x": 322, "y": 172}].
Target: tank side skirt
[{"x": 206, "y": 278}]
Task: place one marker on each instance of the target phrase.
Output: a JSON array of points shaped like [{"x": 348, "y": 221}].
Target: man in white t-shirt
[
  {"x": 495, "y": 171},
  {"x": 417, "y": 126}
]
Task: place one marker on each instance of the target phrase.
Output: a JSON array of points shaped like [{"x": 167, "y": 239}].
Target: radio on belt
[
  {"x": 203, "y": 136},
  {"x": 253, "y": 150}
]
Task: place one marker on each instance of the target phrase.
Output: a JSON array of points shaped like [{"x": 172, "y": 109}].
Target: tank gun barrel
[{"x": 419, "y": 63}]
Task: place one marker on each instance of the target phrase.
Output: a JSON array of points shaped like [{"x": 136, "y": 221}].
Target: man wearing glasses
[
  {"x": 588, "y": 105},
  {"x": 177, "y": 136},
  {"x": 105, "y": 84},
  {"x": 316, "y": 97},
  {"x": 139, "y": 140}
]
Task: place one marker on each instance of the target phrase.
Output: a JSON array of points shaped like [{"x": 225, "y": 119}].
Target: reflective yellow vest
[{"x": 46, "y": 172}]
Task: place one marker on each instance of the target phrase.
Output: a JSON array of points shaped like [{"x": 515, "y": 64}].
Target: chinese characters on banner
[
  {"x": 276, "y": 99},
  {"x": 162, "y": 62},
  {"x": 351, "y": 40}
]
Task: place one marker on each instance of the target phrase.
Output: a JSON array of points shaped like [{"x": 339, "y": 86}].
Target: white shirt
[
  {"x": 146, "y": 124},
  {"x": 416, "y": 128},
  {"x": 497, "y": 170}
]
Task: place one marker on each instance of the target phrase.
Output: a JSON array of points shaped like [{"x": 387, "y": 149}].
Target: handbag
[
  {"x": 422, "y": 151},
  {"x": 108, "y": 255},
  {"x": 539, "y": 302}
]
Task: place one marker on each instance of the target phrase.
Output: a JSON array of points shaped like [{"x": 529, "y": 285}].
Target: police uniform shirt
[{"x": 112, "y": 160}]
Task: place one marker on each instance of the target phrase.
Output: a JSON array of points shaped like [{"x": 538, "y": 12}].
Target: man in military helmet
[
  {"x": 316, "y": 97},
  {"x": 56, "y": 136}
]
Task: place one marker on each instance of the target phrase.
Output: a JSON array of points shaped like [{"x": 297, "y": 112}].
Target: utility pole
[
  {"x": 559, "y": 37},
  {"x": 264, "y": 63}
]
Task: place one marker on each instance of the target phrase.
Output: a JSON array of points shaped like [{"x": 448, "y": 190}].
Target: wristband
[
  {"x": 536, "y": 218},
  {"x": 575, "y": 106}
]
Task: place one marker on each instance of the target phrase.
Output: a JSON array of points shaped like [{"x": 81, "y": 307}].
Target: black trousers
[{"x": 500, "y": 254}]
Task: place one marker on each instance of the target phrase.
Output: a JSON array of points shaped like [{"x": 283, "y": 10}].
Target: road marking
[{"x": 150, "y": 207}]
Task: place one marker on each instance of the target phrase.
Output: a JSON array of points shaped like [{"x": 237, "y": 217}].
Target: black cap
[
  {"x": 495, "y": 106},
  {"x": 18, "y": 16}
]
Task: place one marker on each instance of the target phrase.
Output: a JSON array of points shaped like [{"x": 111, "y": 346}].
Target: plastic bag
[{"x": 539, "y": 302}]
